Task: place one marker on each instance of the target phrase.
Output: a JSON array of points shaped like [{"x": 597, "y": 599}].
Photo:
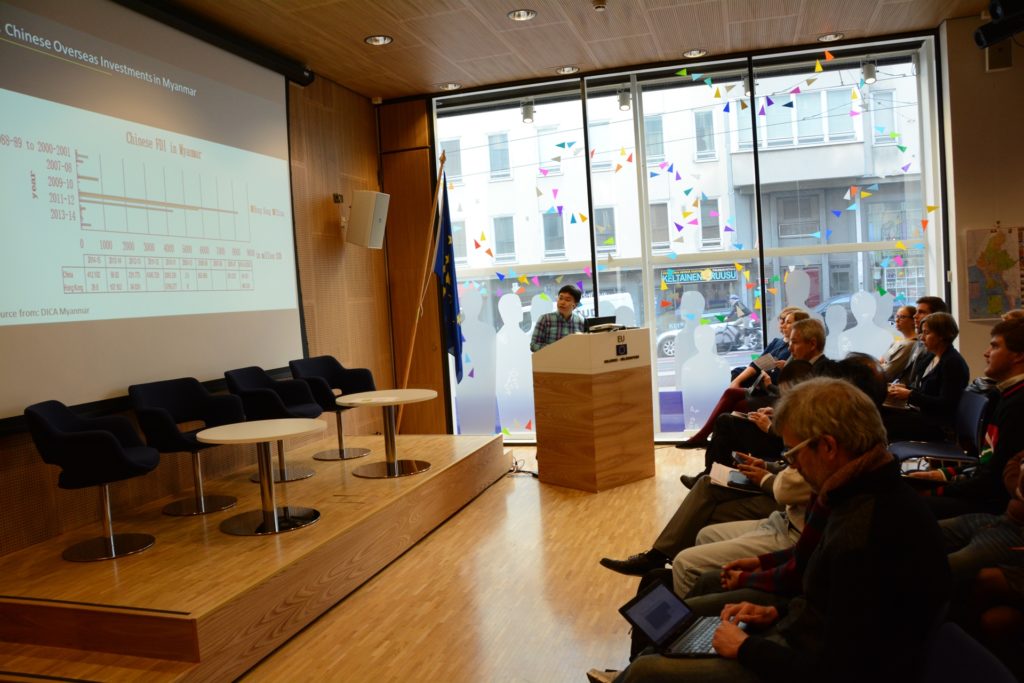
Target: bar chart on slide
[{"x": 113, "y": 211}]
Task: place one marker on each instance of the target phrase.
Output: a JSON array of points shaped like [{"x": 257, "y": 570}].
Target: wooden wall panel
[
  {"x": 404, "y": 125},
  {"x": 407, "y": 177},
  {"x": 344, "y": 287}
]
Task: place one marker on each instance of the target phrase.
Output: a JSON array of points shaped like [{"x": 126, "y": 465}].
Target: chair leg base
[
  {"x": 293, "y": 474},
  {"x": 99, "y": 548},
  {"x": 186, "y": 507},
  {"x": 347, "y": 454}
]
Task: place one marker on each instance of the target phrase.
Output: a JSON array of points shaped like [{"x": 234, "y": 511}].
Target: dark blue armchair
[
  {"x": 92, "y": 452},
  {"x": 161, "y": 407},
  {"x": 324, "y": 374}
]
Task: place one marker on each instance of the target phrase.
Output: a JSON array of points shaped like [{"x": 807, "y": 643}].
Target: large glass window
[
  {"x": 497, "y": 144},
  {"x": 840, "y": 216}
]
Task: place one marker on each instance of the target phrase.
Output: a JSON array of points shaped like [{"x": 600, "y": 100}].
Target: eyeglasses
[
  {"x": 789, "y": 456},
  {"x": 899, "y": 316}
]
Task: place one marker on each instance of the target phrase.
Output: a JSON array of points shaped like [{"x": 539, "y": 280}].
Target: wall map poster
[{"x": 993, "y": 260}]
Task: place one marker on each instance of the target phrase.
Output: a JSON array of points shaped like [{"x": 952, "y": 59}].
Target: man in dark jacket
[{"x": 874, "y": 583}]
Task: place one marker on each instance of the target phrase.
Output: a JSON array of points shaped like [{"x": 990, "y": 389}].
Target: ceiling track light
[
  {"x": 624, "y": 100},
  {"x": 449, "y": 86},
  {"x": 567, "y": 70},
  {"x": 830, "y": 37},
  {"x": 695, "y": 53},
  {"x": 526, "y": 107},
  {"x": 867, "y": 70},
  {"x": 379, "y": 40}
]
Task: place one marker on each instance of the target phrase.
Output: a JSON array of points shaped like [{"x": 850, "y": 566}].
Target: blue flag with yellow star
[{"x": 444, "y": 266}]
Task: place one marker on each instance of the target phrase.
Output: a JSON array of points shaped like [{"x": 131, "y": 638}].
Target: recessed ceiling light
[
  {"x": 830, "y": 37},
  {"x": 450, "y": 86},
  {"x": 696, "y": 52},
  {"x": 378, "y": 40},
  {"x": 567, "y": 69},
  {"x": 522, "y": 14}
]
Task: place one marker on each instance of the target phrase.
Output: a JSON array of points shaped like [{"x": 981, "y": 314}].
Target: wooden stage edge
[{"x": 205, "y": 606}]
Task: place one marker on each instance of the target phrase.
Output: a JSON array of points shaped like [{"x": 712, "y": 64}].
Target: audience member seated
[
  {"x": 980, "y": 488},
  {"x": 708, "y": 504},
  {"x": 920, "y": 357},
  {"x": 931, "y": 403},
  {"x": 747, "y": 432},
  {"x": 874, "y": 583},
  {"x": 719, "y": 544},
  {"x": 897, "y": 357},
  {"x": 778, "y": 348},
  {"x": 734, "y": 396}
]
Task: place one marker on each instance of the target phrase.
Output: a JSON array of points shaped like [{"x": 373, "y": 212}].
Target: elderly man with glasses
[{"x": 870, "y": 588}]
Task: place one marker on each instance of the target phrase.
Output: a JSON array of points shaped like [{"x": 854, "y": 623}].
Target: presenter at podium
[{"x": 565, "y": 320}]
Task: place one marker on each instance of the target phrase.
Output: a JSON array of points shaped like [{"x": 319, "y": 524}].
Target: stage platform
[{"x": 201, "y": 605}]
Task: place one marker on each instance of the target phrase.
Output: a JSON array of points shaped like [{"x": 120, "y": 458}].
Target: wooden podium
[{"x": 592, "y": 402}]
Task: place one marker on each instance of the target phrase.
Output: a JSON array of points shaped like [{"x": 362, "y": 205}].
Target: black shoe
[
  {"x": 693, "y": 443},
  {"x": 636, "y": 565},
  {"x": 690, "y": 480}
]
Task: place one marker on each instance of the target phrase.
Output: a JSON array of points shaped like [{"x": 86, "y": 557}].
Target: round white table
[
  {"x": 387, "y": 399},
  {"x": 270, "y": 519}
]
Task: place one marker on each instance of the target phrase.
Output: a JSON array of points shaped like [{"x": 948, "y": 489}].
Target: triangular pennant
[
  {"x": 787, "y": 104},
  {"x": 900, "y": 245},
  {"x": 729, "y": 88},
  {"x": 693, "y": 222},
  {"x": 501, "y": 276},
  {"x": 544, "y": 172},
  {"x": 554, "y": 193},
  {"x": 817, "y": 67},
  {"x": 560, "y": 144},
  {"x": 583, "y": 218},
  {"x": 902, "y": 148},
  {"x": 931, "y": 208},
  {"x": 573, "y": 219},
  {"x": 924, "y": 223},
  {"x": 810, "y": 81},
  {"x": 854, "y": 112},
  {"x": 828, "y": 56},
  {"x": 682, "y": 72},
  {"x": 726, "y": 108},
  {"x": 618, "y": 167},
  {"x": 630, "y": 158},
  {"x": 761, "y": 112},
  {"x": 852, "y": 207},
  {"x": 905, "y": 168},
  {"x": 718, "y": 93},
  {"x": 476, "y": 245},
  {"x": 837, "y": 213},
  {"x": 489, "y": 252},
  {"x": 653, "y": 174},
  {"x": 671, "y": 168},
  {"x": 678, "y": 177},
  {"x": 535, "y": 280},
  {"x": 769, "y": 101},
  {"x": 539, "y": 193},
  {"x": 795, "y": 91},
  {"x": 560, "y": 207},
  {"x": 728, "y": 229},
  {"x": 708, "y": 82},
  {"x": 678, "y": 226},
  {"x": 743, "y": 105},
  {"x": 853, "y": 94}
]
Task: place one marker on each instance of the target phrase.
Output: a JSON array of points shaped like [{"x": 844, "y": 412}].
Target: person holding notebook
[{"x": 874, "y": 584}]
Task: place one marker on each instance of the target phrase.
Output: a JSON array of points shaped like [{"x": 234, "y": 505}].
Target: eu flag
[{"x": 444, "y": 266}]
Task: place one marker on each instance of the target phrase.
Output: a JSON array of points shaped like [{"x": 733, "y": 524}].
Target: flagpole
[{"x": 431, "y": 254}]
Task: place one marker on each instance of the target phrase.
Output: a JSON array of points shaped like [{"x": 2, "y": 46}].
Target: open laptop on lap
[{"x": 665, "y": 619}]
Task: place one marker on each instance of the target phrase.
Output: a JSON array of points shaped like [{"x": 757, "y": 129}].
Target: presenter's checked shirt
[{"x": 552, "y": 326}]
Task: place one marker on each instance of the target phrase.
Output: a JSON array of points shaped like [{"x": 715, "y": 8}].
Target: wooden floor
[{"x": 508, "y": 590}]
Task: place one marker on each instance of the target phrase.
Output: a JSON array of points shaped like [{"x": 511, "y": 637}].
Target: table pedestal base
[
  {"x": 345, "y": 454},
  {"x": 259, "y": 523},
  {"x": 391, "y": 470}
]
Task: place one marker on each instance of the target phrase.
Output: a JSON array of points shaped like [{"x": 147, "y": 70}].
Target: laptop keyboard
[{"x": 697, "y": 638}]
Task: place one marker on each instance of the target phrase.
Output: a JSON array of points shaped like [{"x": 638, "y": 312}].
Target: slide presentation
[{"x": 146, "y": 230}]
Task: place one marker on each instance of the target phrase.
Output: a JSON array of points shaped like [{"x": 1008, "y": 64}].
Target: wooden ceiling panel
[
  {"x": 829, "y": 16},
  {"x": 759, "y": 35},
  {"x": 622, "y": 19},
  {"x": 459, "y": 35},
  {"x": 500, "y": 69},
  {"x": 681, "y": 28},
  {"x": 473, "y": 41},
  {"x": 755, "y": 10},
  {"x": 551, "y": 46}
]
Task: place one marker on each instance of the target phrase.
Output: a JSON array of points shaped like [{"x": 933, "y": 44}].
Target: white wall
[{"x": 985, "y": 157}]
